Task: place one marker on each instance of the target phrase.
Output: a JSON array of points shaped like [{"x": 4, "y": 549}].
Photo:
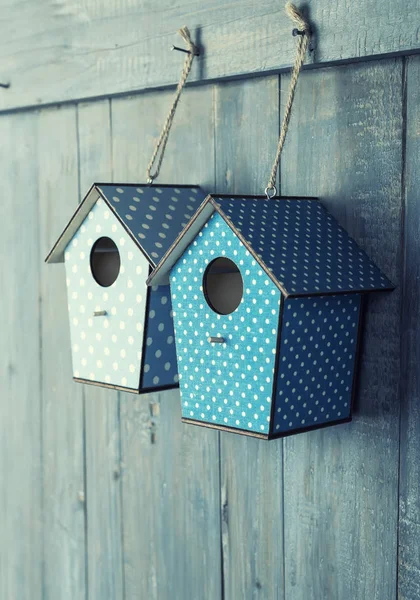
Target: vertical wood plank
[
  {"x": 20, "y": 380},
  {"x": 409, "y": 524},
  {"x": 62, "y": 439},
  {"x": 170, "y": 481},
  {"x": 251, "y": 470},
  {"x": 341, "y": 484},
  {"x": 102, "y": 426}
]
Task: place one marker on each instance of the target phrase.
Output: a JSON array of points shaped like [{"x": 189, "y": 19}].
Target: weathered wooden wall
[
  {"x": 92, "y": 506},
  {"x": 61, "y": 50}
]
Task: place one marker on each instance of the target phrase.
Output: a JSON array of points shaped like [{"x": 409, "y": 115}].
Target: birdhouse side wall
[
  {"x": 319, "y": 340},
  {"x": 160, "y": 369},
  {"x": 226, "y": 384},
  {"x": 106, "y": 349}
]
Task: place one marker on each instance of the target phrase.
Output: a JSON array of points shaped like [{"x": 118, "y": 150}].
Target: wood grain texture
[
  {"x": 172, "y": 511},
  {"x": 341, "y": 484},
  {"x": 409, "y": 524},
  {"x": 247, "y": 127},
  {"x": 78, "y": 49},
  {"x": 102, "y": 423},
  {"x": 171, "y": 470},
  {"x": 62, "y": 417},
  {"x": 20, "y": 372}
]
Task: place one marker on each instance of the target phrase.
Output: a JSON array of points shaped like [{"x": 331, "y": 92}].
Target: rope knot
[
  {"x": 184, "y": 32},
  {"x": 297, "y": 17}
]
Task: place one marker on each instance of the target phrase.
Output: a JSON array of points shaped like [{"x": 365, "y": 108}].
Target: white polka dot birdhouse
[
  {"x": 267, "y": 299},
  {"x": 122, "y": 332}
]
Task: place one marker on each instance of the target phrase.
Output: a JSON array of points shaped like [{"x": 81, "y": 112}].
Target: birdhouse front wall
[
  {"x": 317, "y": 359},
  {"x": 226, "y": 384},
  {"x": 108, "y": 348}
]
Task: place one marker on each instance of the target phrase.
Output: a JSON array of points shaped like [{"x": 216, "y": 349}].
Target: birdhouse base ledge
[
  {"x": 261, "y": 436},
  {"x": 121, "y": 388}
]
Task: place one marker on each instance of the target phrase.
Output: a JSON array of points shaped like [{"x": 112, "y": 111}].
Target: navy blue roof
[
  {"x": 154, "y": 215},
  {"x": 302, "y": 245}
]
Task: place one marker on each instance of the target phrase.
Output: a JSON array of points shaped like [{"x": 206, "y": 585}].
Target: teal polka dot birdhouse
[
  {"x": 267, "y": 301},
  {"x": 122, "y": 331}
]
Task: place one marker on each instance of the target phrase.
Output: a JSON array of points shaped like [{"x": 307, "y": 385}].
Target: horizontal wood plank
[{"x": 60, "y": 50}]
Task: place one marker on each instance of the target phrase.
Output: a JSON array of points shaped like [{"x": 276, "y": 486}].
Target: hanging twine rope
[
  {"x": 192, "y": 51},
  {"x": 303, "y": 32}
]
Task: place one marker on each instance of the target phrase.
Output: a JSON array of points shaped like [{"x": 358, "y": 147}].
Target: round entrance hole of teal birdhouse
[
  {"x": 223, "y": 286},
  {"x": 105, "y": 261}
]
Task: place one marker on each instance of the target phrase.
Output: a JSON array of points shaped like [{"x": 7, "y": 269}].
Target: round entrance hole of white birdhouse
[
  {"x": 105, "y": 261},
  {"x": 223, "y": 286}
]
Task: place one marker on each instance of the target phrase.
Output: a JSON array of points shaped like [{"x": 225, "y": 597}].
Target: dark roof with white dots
[
  {"x": 152, "y": 215},
  {"x": 302, "y": 245}
]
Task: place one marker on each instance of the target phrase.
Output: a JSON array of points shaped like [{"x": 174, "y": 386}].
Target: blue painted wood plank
[
  {"x": 341, "y": 484},
  {"x": 102, "y": 424},
  {"x": 62, "y": 414},
  {"x": 409, "y": 522},
  {"x": 251, "y": 469},
  {"x": 170, "y": 470},
  {"x": 20, "y": 372}
]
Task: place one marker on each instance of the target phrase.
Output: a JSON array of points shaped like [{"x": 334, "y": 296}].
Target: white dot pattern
[
  {"x": 103, "y": 348},
  {"x": 160, "y": 364},
  {"x": 154, "y": 215},
  {"x": 304, "y": 247},
  {"x": 227, "y": 384},
  {"x": 316, "y": 361}
]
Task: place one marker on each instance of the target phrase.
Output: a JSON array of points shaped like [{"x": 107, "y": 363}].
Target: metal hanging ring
[
  {"x": 270, "y": 195},
  {"x": 150, "y": 180}
]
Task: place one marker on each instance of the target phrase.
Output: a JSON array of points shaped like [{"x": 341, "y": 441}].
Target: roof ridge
[{"x": 140, "y": 218}]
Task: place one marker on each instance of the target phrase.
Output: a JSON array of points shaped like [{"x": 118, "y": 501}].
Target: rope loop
[
  {"x": 303, "y": 32},
  {"x": 192, "y": 52},
  {"x": 270, "y": 192}
]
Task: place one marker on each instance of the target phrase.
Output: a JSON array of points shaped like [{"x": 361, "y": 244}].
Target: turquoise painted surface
[
  {"x": 106, "y": 349},
  {"x": 316, "y": 361},
  {"x": 226, "y": 384}
]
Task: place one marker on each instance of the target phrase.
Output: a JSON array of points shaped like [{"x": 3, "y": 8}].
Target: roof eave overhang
[
  {"x": 160, "y": 275},
  {"x": 56, "y": 254},
  {"x": 388, "y": 288}
]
